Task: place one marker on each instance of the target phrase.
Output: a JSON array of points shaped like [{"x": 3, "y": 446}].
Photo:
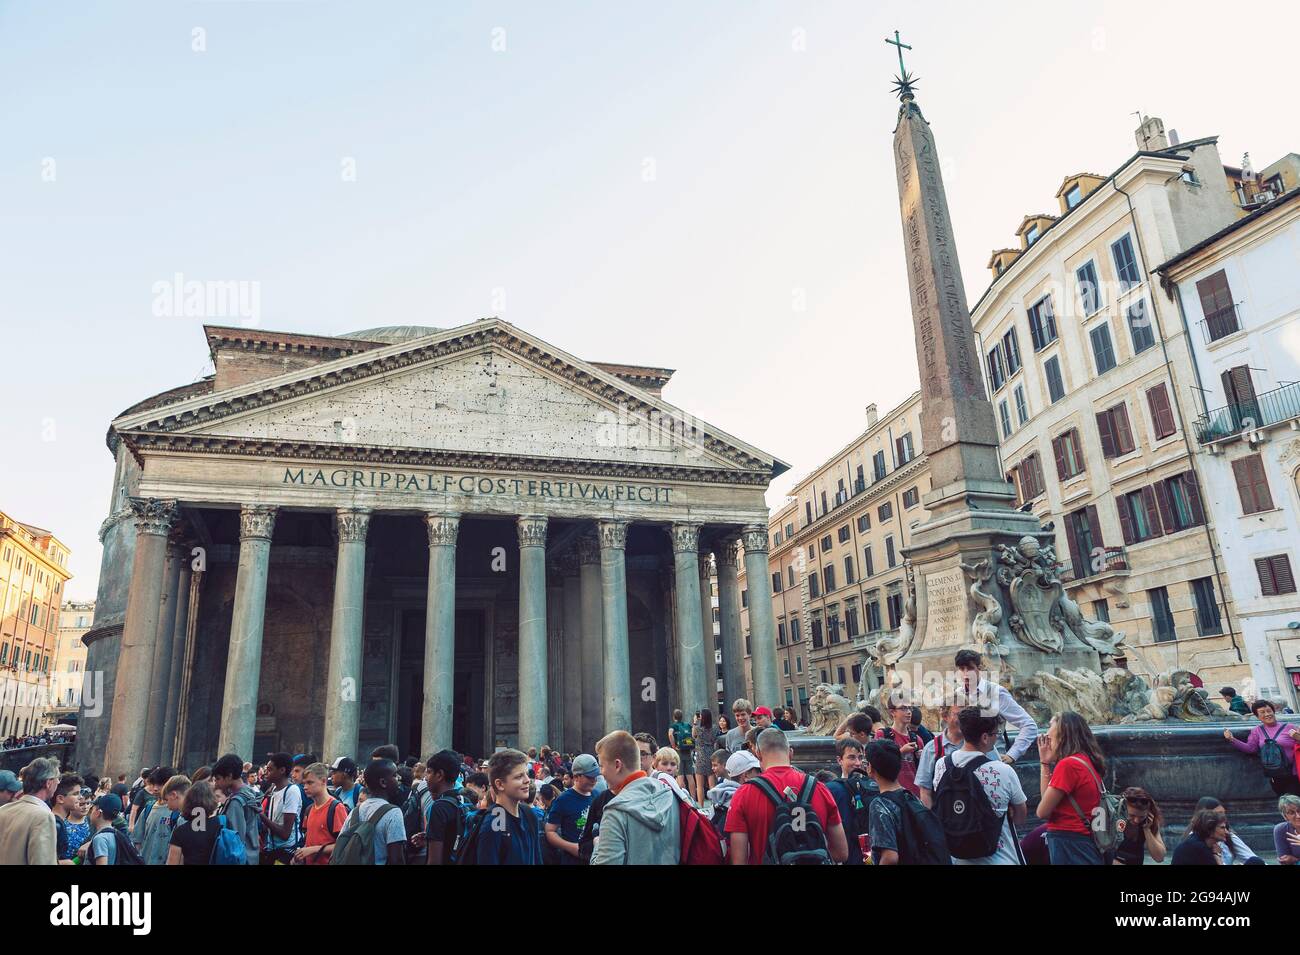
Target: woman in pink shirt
[{"x": 1283, "y": 778}]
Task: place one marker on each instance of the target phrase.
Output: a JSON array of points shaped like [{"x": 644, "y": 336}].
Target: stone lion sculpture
[{"x": 829, "y": 707}]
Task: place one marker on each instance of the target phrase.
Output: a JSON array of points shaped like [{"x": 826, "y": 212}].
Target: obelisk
[{"x": 971, "y": 505}]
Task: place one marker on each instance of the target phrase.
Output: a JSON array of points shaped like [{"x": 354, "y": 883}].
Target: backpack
[
  {"x": 127, "y": 853},
  {"x": 1105, "y": 821},
  {"x": 356, "y": 846},
  {"x": 462, "y": 811},
  {"x": 228, "y": 847},
  {"x": 970, "y": 826},
  {"x": 1272, "y": 757},
  {"x": 796, "y": 836},
  {"x": 413, "y": 811},
  {"x": 921, "y": 836},
  {"x": 861, "y": 796},
  {"x": 466, "y": 851},
  {"x": 700, "y": 844}
]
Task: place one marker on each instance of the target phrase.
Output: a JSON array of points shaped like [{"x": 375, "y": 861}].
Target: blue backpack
[{"x": 228, "y": 849}]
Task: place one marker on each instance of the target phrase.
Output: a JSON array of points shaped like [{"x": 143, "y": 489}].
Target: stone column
[
  {"x": 532, "y": 631},
  {"x": 244, "y": 661},
  {"x": 686, "y": 567},
  {"x": 571, "y": 655},
  {"x": 706, "y": 623},
  {"x": 762, "y": 630},
  {"x": 161, "y": 670},
  {"x": 343, "y": 680},
  {"x": 124, "y": 751},
  {"x": 180, "y": 630},
  {"x": 733, "y": 640},
  {"x": 613, "y": 594},
  {"x": 439, "y": 634},
  {"x": 593, "y": 641}
]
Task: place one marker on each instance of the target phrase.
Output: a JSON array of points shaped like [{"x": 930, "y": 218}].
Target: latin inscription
[
  {"x": 417, "y": 482},
  {"x": 945, "y": 599}
]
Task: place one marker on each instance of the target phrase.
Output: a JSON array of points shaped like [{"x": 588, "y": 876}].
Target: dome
[{"x": 392, "y": 334}]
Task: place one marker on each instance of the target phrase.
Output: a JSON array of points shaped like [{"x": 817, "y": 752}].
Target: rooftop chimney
[
  {"x": 1247, "y": 170},
  {"x": 1150, "y": 135},
  {"x": 1173, "y": 137},
  {"x": 871, "y": 415}
]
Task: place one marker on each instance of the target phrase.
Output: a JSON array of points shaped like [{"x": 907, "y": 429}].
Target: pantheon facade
[{"x": 462, "y": 537}]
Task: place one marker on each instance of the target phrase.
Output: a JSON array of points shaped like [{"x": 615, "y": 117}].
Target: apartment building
[
  {"x": 33, "y": 571},
  {"x": 836, "y": 555},
  {"x": 1090, "y": 373},
  {"x": 1237, "y": 296}
]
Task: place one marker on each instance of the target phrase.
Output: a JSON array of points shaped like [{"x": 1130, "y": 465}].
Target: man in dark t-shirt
[{"x": 443, "y": 817}]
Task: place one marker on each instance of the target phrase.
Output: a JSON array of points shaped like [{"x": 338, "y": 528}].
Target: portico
[{"x": 463, "y": 538}]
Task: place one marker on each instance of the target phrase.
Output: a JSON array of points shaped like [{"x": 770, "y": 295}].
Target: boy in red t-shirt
[
  {"x": 322, "y": 820},
  {"x": 750, "y": 817}
]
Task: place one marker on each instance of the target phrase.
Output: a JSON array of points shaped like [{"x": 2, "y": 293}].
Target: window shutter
[
  {"x": 1245, "y": 489},
  {"x": 1123, "y": 434},
  {"x": 1125, "y": 519},
  {"x": 1078, "y": 450},
  {"x": 1152, "y": 507},
  {"x": 1058, "y": 449},
  {"x": 1193, "y": 497},
  {"x": 1262, "y": 495},
  {"x": 1237, "y": 385},
  {"x": 1252, "y": 484},
  {"x": 1013, "y": 478},
  {"x": 1094, "y": 526},
  {"x": 1107, "y": 434},
  {"x": 1077, "y": 558},
  {"x": 1162, "y": 504},
  {"x": 1281, "y": 566},
  {"x": 1162, "y": 415},
  {"x": 1038, "y": 473},
  {"x": 1267, "y": 582}
]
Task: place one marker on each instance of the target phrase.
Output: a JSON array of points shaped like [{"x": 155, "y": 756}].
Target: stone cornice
[
  {"x": 141, "y": 442},
  {"x": 479, "y": 335}
]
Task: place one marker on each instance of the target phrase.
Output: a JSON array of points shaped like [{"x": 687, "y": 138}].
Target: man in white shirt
[
  {"x": 997, "y": 704},
  {"x": 999, "y": 781}
]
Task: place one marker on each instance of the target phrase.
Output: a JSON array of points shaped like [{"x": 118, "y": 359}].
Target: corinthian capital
[
  {"x": 726, "y": 552},
  {"x": 442, "y": 529},
  {"x": 256, "y": 521},
  {"x": 152, "y": 516},
  {"x": 613, "y": 534},
  {"x": 353, "y": 523},
  {"x": 706, "y": 565},
  {"x": 686, "y": 537},
  {"x": 754, "y": 537},
  {"x": 532, "y": 530}
]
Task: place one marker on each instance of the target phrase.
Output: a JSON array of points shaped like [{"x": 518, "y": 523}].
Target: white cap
[{"x": 741, "y": 762}]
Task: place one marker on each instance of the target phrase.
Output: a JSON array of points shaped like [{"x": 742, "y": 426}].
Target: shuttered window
[
  {"x": 1103, "y": 352},
  {"x": 1216, "y": 305},
  {"x": 1162, "y": 415},
  {"x": 1275, "y": 575},
  {"x": 1252, "y": 484},
  {"x": 1113, "y": 428},
  {"x": 1055, "y": 384},
  {"x": 1068, "y": 453},
  {"x": 1042, "y": 323},
  {"x": 1031, "y": 477}
]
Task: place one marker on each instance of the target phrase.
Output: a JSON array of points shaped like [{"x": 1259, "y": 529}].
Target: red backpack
[{"x": 700, "y": 844}]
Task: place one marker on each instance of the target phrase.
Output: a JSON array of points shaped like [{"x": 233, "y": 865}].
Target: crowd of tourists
[
  {"x": 715, "y": 793},
  {"x": 44, "y": 738}
]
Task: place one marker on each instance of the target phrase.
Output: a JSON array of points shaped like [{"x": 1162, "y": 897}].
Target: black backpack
[
  {"x": 861, "y": 796},
  {"x": 466, "y": 851},
  {"x": 920, "y": 837},
  {"x": 796, "y": 836},
  {"x": 127, "y": 853},
  {"x": 1272, "y": 757},
  {"x": 413, "y": 818},
  {"x": 970, "y": 825}
]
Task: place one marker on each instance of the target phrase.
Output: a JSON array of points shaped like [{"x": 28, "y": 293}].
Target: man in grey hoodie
[{"x": 640, "y": 824}]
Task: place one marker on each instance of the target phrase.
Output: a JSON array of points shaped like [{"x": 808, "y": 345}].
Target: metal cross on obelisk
[{"x": 898, "y": 42}]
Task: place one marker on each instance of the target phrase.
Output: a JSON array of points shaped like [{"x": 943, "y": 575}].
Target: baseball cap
[
  {"x": 585, "y": 764},
  {"x": 345, "y": 764},
  {"x": 741, "y": 762},
  {"x": 109, "y": 805},
  {"x": 762, "y": 711},
  {"x": 9, "y": 782}
]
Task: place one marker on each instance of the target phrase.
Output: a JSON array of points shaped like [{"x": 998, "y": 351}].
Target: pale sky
[{"x": 658, "y": 183}]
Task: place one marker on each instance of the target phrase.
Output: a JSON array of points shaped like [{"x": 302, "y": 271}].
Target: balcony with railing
[
  {"x": 1220, "y": 323},
  {"x": 1263, "y": 411},
  {"x": 1105, "y": 560}
]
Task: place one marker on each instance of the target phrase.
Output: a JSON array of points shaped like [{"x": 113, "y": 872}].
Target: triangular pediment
[{"x": 485, "y": 389}]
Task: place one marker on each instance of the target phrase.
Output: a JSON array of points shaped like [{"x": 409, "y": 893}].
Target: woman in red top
[{"x": 1071, "y": 768}]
